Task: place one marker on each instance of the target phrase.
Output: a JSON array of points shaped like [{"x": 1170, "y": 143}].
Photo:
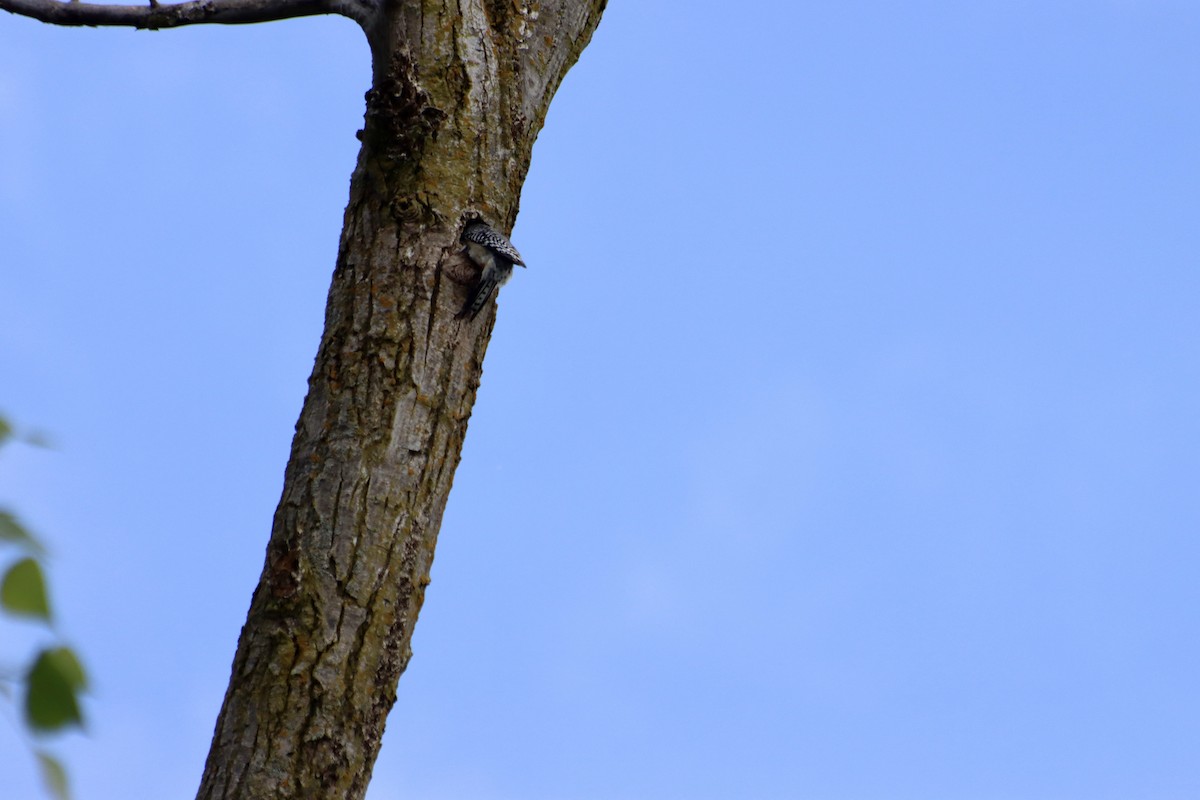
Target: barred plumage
[
  {"x": 484, "y": 234},
  {"x": 493, "y": 252}
]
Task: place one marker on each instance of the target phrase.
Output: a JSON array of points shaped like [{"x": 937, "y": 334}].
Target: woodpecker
[{"x": 492, "y": 251}]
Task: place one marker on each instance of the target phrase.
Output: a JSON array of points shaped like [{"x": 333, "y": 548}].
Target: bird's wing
[{"x": 494, "y": 240}]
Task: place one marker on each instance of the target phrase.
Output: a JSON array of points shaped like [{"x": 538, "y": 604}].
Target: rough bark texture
[{"x": 460, "y": 90}]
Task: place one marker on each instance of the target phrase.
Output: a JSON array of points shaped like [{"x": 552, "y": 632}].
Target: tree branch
[{"x": 194, "y": 12}]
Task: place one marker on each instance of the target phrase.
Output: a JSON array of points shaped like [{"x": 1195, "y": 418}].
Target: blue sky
[{"x": 839, "y": 443}]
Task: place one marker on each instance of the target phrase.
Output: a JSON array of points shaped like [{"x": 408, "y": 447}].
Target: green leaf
[
  {"x": 53, "y": 775},
  {"x": 13, "y": 531},
  {"x": 51, "y": 686},
  {"x": 67, "y": 663},
  {"x": 23, "y": 590},
  {"x": 5, "y": 430}
]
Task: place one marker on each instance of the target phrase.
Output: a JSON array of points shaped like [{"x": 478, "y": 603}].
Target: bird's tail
[{"x": 477, "y": 300}]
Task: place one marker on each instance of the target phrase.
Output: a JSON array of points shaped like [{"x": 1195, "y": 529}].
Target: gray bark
[{"x": 156, "y": 16}]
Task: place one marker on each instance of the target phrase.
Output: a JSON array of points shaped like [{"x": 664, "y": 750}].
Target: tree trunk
[{"x": 460, "y": 91}]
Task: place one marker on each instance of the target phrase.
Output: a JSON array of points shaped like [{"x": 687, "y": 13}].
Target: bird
[{"x": 494, "y": 253}]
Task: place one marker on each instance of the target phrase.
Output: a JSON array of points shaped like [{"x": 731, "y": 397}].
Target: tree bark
[
  {"x": 157, "y": 16},
  {"x": 460, "y": 91}
]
